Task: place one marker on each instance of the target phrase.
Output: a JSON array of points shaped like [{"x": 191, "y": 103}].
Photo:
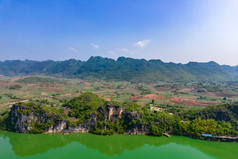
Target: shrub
[{"x": 15, "y": 86}]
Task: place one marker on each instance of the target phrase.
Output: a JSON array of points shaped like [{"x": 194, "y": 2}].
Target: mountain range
[{"x": 122, "y": 69}]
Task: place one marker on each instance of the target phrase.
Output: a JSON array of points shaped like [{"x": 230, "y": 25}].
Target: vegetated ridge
[
  {"x": 90, "y": 113},
  {"x": 122, "y": 69},
  {"x": 232, "y": 70}
]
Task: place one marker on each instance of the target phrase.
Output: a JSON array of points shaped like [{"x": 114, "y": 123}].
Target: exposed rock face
[
  {"x": 59, "y": 127},
  {"x": 136, "y": 127},
  {"x": 78, "y": 129},
  {"x": 139, "y": 129},
  {"x": 88, "y": 124},
  {"x": 111, "y": 112},
  {"x": 20, "y": 122},
  {"x": 25, "y": 118}
]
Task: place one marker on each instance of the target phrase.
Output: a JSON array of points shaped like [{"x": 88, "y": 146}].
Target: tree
[
  {"x": 15, "y": 86},
  {"x": 155, "y": 130}
]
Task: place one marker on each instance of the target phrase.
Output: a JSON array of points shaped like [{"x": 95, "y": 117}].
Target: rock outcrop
[
  {"x": 111, "y": 112},
  {"x": 28, "y": 117},
  {"x": 136, "y": 124},
  {"x": 24, "y": 118}
]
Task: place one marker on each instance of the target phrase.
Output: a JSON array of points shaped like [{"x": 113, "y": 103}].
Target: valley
[{"x": 55, "y": 91}]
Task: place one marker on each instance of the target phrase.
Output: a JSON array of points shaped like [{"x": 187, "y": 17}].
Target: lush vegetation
[
  {"x": 84, "y": 105},
  {"x": 33, "y": 80},
  {"x": 89, "y": 109},
  {"x": 126, "y": 69},
  {"x": 4, "y": 120},
  {"x": 46, "y": 116},
  {"x": 15, "y": 86}
]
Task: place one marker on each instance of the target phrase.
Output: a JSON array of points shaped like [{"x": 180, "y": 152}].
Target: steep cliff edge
[
  {"x": 30, "y": 118},
  {"x": 135, "y": 125}
]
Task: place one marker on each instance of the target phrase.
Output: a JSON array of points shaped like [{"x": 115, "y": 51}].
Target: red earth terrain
[{"x": 176, "y": 100}]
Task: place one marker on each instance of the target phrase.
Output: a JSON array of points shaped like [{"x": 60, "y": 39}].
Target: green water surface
[{"x": 83, "y": 146}]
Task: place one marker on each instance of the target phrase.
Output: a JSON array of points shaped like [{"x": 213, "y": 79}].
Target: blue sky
[{"x": 171, "y": 30}]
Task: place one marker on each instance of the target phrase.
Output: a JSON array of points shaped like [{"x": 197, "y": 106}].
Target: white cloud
[
  {"x": 72, "y": 49},
  {"x": 142, "y": 43},
  {"x": 95, "y": 46}
]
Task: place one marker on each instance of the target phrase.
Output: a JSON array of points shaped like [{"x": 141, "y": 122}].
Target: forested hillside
[
  {"x": 128, "y": 69},
  {"x": 232, "y": 70}
]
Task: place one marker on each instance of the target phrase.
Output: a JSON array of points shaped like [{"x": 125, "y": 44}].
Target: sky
[{"x": 170, "y": 30}]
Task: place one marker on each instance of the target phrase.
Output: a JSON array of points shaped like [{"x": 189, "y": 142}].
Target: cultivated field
[{"x": 55, "y": 91}]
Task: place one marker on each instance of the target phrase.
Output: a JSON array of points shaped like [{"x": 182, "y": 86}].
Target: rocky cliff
[
  {"x": 136, "y": 124},
  {"x": 111, "y": 112},
  {"x": 30, "y": 118}
]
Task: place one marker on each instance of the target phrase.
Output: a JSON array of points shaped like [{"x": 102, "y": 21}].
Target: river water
[{"x": 83, "y": 146}]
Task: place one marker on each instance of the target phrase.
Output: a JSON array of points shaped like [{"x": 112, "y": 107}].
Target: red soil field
[
  {"x": 58, "y": 90},
  {"x": 12, "y": 80},
  {"x": 56, "y": 85},
  {"x": 162, "y": 89},
  {"x": 221, "y": 94},
  {"x": 47, "y": 88},
  {"x": 87, "y": 83},
  {"x": 175, "y": 100},
  {"x": 151, "y": 96},
  {"x": 104, "y": 97},
  {"x": 191, "y": 102}
]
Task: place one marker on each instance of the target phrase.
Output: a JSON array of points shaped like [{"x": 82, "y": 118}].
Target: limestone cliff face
[
  {"x": 135, "y": 127},
  {"x": 59, "y": 127},
  {"x": 32, "y": 118},
  {"x": 111, "y": 112},
  {"x": 85, "y": 127},
  {"x": 20, "y": 122},
  {"x": 25, "y": 118},
  {"x": 78, "y": 129}
]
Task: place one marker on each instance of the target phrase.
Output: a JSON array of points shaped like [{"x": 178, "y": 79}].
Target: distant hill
[
  {"x": 232, "y": 70},
  {"x": 126, "y": 69},
  {"x": 49, "y": 67}
]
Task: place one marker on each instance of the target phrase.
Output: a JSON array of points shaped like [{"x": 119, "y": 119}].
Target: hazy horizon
[{"x": 172, "y": 31}]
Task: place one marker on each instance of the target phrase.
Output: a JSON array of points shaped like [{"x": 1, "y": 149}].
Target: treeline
[
  {"x": 33, "y": 80},
  {"x": 122, "y": 69}
]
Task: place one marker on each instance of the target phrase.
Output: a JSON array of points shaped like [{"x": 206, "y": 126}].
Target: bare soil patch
[
  {"x": 176, "y": 100},
  {"x": 66, "y": 111},
  {"x": 151, "y": 96},
  {"x": 191, "y": 102},
  {"x": 221, "y": 94}
]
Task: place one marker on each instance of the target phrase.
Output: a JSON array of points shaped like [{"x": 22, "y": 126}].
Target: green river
[{"x": 83, "y": 146}]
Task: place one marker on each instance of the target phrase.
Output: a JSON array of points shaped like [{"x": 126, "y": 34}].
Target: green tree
[{"x": 155, "y": 130}]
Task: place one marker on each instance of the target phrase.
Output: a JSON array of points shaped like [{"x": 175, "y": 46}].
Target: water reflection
[{"x": 30, "y": 144}]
